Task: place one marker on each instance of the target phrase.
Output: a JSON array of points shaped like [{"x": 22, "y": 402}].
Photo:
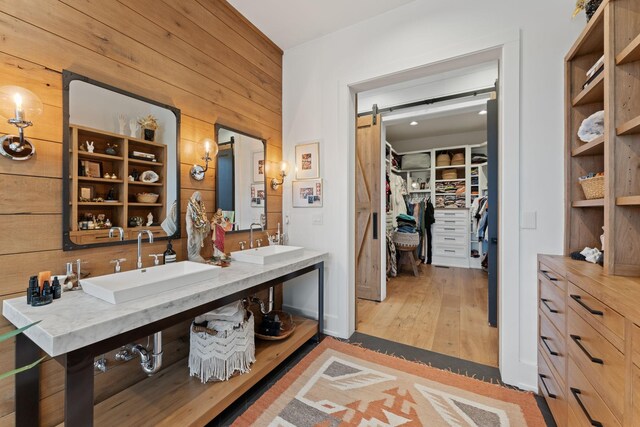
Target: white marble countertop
[{"x": 78, "y": 319}]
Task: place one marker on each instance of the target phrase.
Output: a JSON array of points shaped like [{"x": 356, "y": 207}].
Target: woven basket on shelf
[
  {"x": 593, "y": 187},
  {"x": 411, "y": 240},
  {"x": 443, "y": 160},
  {"x": 458, "y": 159},
  {"x": 449, "y": 174}
]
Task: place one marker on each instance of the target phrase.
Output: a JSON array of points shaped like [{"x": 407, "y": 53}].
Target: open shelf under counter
[
  {"x": 630, "y": 53},
  {"x": 593, "y": 203},
  {"x": 105, "y": 180},
  {"x": 171, "y": 397},
  {"x": 590, "y": 148},
  {"x": 628, "y": 201},
  {"x": 592, "y": 93},
  {"x": 629, "y": 128}
]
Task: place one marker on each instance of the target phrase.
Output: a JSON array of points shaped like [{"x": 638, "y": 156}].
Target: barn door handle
[{"x": 375, "y": 226}]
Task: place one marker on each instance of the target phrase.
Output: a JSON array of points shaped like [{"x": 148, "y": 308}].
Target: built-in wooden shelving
[
  {"x": 594, "y": 203},
  {"x": 592, "y": 37},
  {"x": 630, "y": 53},
  {"x": 172, "y": 397},
  {"x": 592, "y": 93},
  {"x": 590, "y": 148},
  {"x": 628, "y": 201},
  {"x": 629, "y": 128}
]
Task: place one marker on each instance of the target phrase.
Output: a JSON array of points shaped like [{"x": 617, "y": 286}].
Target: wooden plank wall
[{"x": 200, "y": 55}]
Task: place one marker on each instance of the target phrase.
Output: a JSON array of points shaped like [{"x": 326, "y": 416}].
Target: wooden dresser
[{"x": 588, "y": 343}]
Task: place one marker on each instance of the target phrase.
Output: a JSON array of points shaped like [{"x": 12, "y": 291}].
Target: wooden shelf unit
[
  {"x": 122, "y": 165},
  {"x": 614, "y": 31},
  {"x": 172, "y": 397}
]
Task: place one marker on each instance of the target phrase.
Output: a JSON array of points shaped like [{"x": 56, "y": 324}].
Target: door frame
[{"x": 516, "y": 368}]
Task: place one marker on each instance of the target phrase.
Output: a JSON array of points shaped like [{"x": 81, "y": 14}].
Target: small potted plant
[{"x": 148, "y": 124}]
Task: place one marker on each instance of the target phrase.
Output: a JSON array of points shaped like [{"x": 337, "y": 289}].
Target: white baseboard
[
  {"x": 525, "y": 377},
  {"x": 331, "y": 324}
]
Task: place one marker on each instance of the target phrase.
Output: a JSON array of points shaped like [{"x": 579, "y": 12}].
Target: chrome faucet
[
  {"x": 140, "y": 233},
  {"x": 120, "y": 231},
  {"x": 251, "y": 232}
]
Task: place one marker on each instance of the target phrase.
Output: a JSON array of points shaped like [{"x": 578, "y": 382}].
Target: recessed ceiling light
[
  {"x": 483, "y": 112},
  {"x": 414, "y": 123}
]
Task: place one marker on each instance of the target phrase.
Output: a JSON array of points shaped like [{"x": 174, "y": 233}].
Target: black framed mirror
[
  {"x": 241, "y": 178},
  {"x": 121, "y": 163}
]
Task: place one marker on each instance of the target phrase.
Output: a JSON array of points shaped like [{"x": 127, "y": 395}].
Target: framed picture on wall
[
  {"x": 258, "y": 166},
  {"x": 308, "y": 161},
  {"x": 307, "y": 194},
  {"x": 257, "y": 195}
]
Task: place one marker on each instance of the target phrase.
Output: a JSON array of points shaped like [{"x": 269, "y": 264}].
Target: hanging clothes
[
  {"x": 398, "y": 190},
  {"x": 430, "y": 219}
]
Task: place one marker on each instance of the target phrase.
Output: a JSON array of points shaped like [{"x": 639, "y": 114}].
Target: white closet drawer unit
[
  {"x": 451, "y": 222},
  {"x": 450, "y": 240},
  {"x": 451, "y": 214},
  {"x": 440, "y": 229},
  {"x": 451, "y": 251}
]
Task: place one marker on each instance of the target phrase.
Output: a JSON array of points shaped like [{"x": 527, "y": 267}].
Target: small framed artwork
[
  {"x": 258, "y": 166},
  {"x": 307, "y": 194},
  {"x": 92, "y": 169},
  {"x": 308, "y": 161},
  {"x": 257, "y": 195},
  {"x": 86, "y": 193}
]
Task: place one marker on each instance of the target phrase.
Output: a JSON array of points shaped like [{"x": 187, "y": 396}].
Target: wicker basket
[
  {"x": 593, "y": 187},
  {"x": 443, "y": 160},
  {"x": 449, "y": 174},
  {"x": 410, "y": 240},
  {"x": 147, "y": 197},
  {"x": 458, "y": 159}
]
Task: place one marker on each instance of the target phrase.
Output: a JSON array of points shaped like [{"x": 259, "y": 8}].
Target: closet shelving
[{"x": 614, "y": 31}]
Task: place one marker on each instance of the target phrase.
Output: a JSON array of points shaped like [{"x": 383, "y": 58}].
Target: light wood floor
[{"x": 444, "y": 310}]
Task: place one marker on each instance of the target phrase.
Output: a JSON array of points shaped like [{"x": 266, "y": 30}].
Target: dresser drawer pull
[
  {"x": 450, "y": 251},
  {"x": 449, "y": 221},
  {"x": 546, "y": 274},
  {"x": 578, "y": 299},
  {"x": 551, "y": 352},
  {"x": 449, "y": 238},
  {"x": 576, "y": 394},
  {"x": 546, "y": 303},
  {"x": 449, "y": 229},
  {"x": 578, "y": 340},
  {"x": 544, "y": 384}
]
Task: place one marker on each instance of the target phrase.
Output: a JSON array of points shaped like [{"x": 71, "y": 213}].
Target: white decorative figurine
[
  {"x": 197, "y": 227},
  {"x": 149, "y": 219},
  {"x": 122, "y": 121},
  {"x": 133, "y": 127},
  {"x": 90, "y": 146}
]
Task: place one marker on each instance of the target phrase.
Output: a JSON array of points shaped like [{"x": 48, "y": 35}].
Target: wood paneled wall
[{"x": 201, "y": 56}]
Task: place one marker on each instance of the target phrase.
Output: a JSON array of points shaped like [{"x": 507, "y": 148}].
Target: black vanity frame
[{"x": 67, "y": 78}]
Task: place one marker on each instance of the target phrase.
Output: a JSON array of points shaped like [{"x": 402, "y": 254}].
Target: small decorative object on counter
[
  {"x": 149, "y": 125},
  {"x": 592, "y": 185},
  {"x": 218, "y": 235},
  {"x": 169, "y": 255},
  {"x": 222, "y": 343},
  {"x": 592, "y": 127}
]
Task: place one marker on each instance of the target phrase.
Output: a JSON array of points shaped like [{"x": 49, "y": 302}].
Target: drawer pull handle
[
  {"x": 578, "y": 299},
  {"x": 546, "y": 303},
  {"x": 450, "y": 229},
  {"x": 449, "y": 222},
  {"x": 551, "y": 352},
  {"x": 576, "y": 394},
  {"x": 546, "y": 274},
  {"x": 544, "y": 384},
  {"x": 449, "y": 238},
  {"x": 578, "y": 340},
  {"x": 450, "y": 251}
]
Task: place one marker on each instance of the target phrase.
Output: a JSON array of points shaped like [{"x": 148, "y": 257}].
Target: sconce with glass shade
[
  {"x": 210, "y": 149},
  {"x": 283, "y": 173},
  {"x": 18, "y": 106}
]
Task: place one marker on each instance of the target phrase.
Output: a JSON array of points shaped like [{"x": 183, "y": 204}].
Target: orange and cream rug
[{"x": 340, "y": 384}]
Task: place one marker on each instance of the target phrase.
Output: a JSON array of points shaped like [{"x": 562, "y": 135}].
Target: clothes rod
[{"x": 431, "y": 101}]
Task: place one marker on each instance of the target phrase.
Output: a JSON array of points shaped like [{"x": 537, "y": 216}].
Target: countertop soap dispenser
[{"x": 169, "y": 255}]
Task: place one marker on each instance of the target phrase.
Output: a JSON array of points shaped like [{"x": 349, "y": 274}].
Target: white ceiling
[
  {"x": 463, "y": 122},
  {"x": 289, "y": 23}
]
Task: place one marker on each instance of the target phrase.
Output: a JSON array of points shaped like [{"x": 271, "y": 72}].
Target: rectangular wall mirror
[
  {"x": 123, "y": 170},
  {"x": 240, "y": 178}
]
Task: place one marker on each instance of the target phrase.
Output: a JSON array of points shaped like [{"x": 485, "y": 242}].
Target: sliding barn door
[
  {"x": 492, "y": 156},
  {"x": 368, "y": 199}
]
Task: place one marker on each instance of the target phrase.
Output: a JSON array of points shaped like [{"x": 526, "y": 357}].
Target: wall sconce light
[
  {"x": 283, "y": 172},
  {"x": 210, "y": 149},
  {"x": 16, "y": 105}
]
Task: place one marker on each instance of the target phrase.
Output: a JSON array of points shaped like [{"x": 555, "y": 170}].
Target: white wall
[{"x": 423, "y": 32}]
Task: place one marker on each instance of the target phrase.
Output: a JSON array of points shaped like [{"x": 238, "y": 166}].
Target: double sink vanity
[{"x": 117, "y": 309}]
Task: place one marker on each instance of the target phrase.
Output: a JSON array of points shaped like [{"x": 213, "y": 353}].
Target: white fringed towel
[{"x": 218, "y": 357}]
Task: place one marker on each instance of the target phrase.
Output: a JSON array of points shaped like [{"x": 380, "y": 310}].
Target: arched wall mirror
[
  {"x": 121, "y": 163},
  {"x": 240, "y": 178}
]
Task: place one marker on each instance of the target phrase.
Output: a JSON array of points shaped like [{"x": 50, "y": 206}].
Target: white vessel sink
[
  {"x": 267, "y": 254},
  {"x": 121, "y": 287}
]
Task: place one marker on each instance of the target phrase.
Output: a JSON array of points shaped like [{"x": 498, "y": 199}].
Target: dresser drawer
[
  {"x": 552, "y": 276},
  {"x": 552, "y": 302},
  {"x": 599, "y": 360},
  {"x": 450, "y": 229},
  {"x": 450, "y": 251},
  {"x": 450, "y": 240},
  {"x": 595, "y": 311},
  {"x": 553, "y": 345},
  {"x": 459, "y": 222},
  {"x": 451, "y": 214},
  {"x": 585, "y": 403},
  {"x": 552, "y": 391}
]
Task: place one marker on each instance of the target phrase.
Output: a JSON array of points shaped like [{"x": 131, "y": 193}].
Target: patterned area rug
[{"x": 340, "y": 384}]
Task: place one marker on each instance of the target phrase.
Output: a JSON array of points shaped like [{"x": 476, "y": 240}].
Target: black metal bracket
[{"x": 374, "y": 112}]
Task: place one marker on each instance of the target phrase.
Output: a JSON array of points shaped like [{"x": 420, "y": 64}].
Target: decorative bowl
[{"x": 147, "y": 197}]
